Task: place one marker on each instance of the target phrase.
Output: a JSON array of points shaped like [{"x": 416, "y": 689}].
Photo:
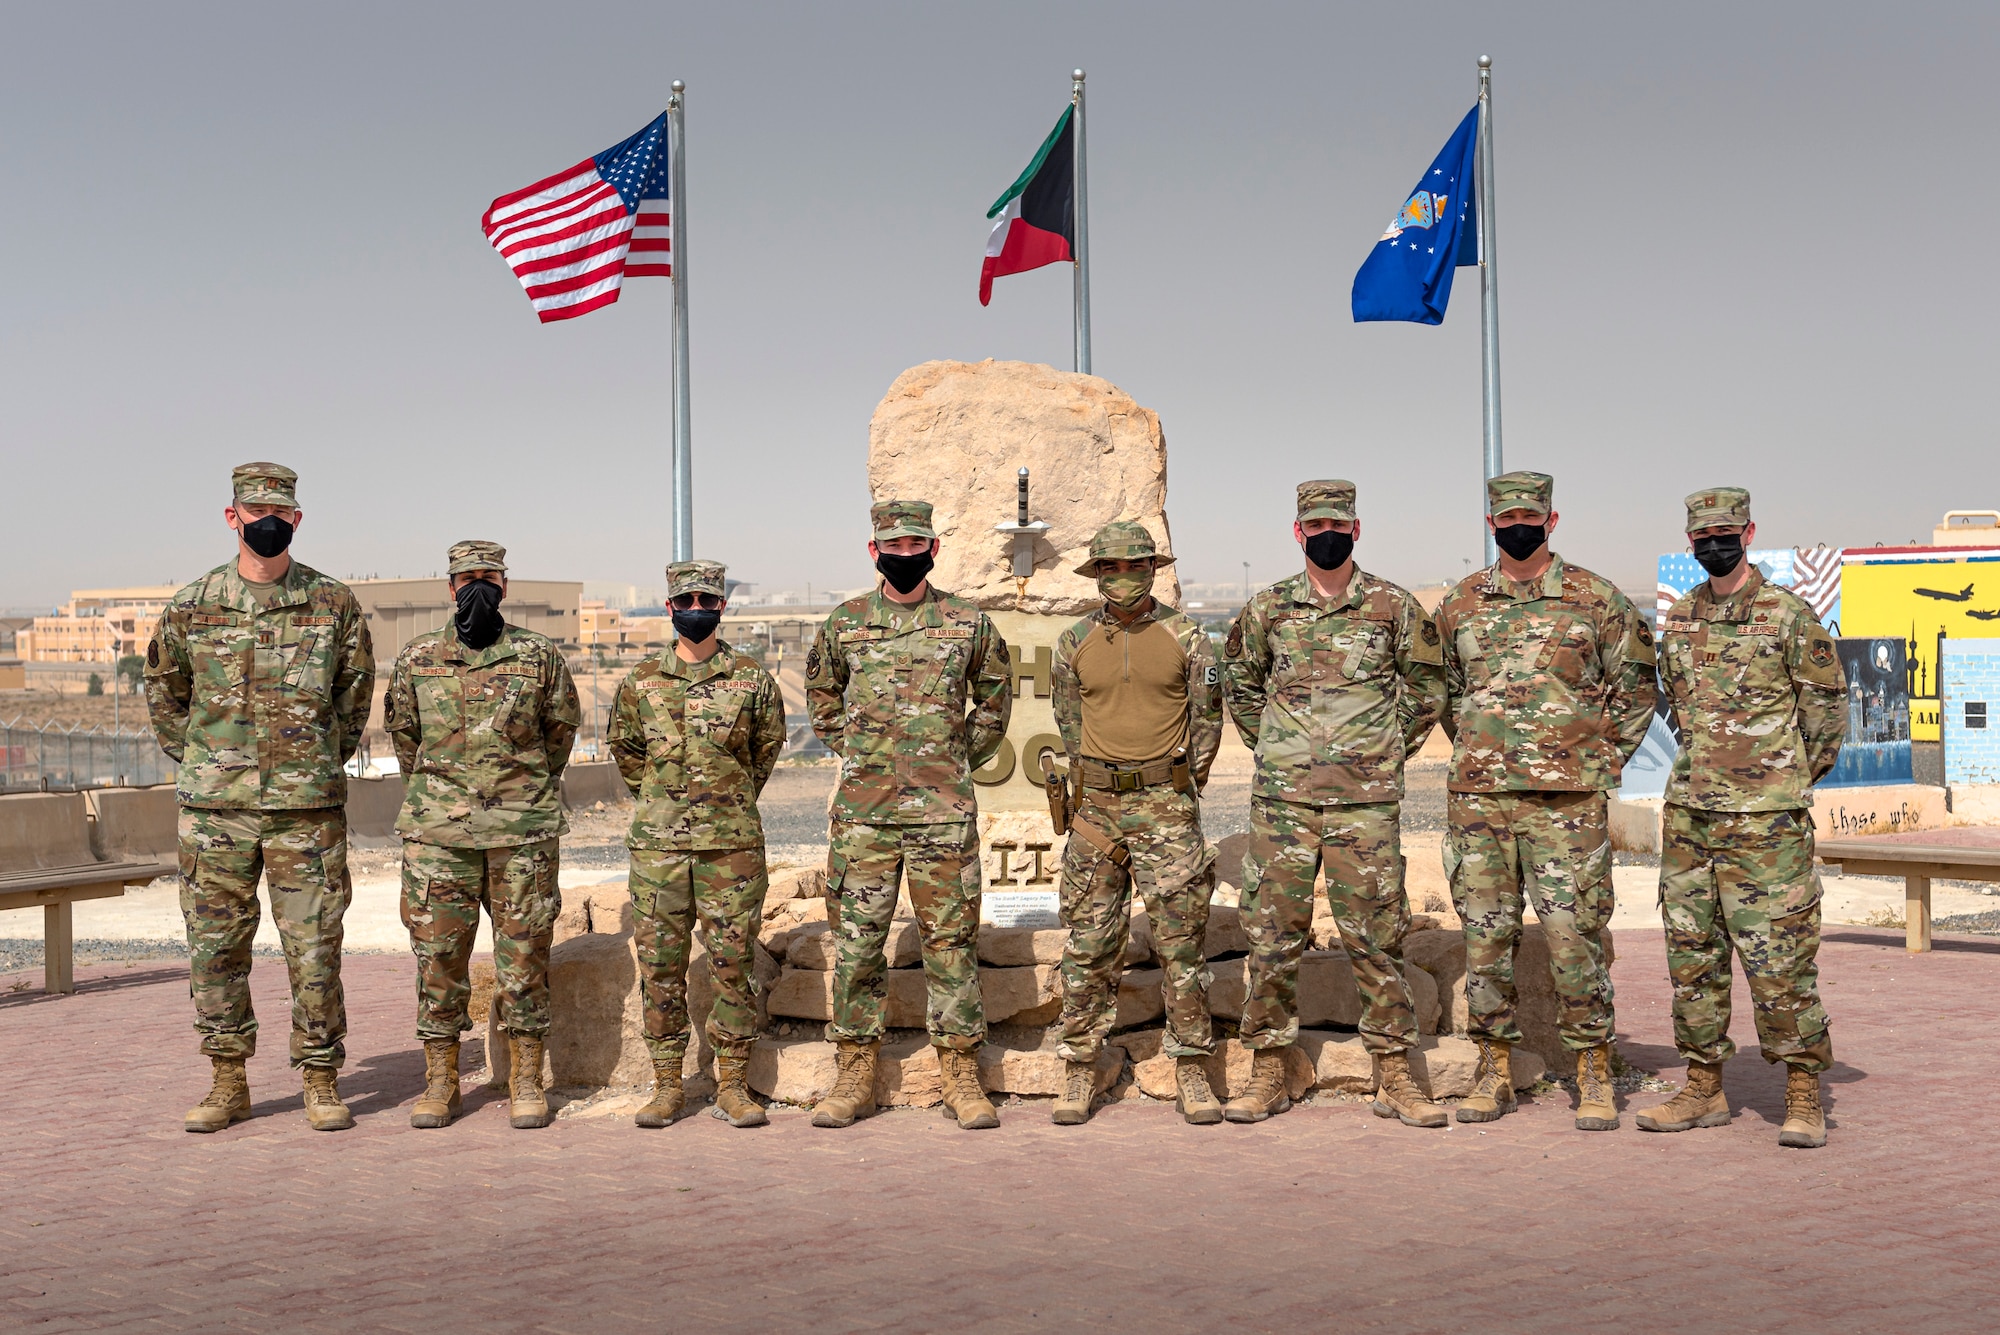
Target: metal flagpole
[
  {"x": 1080, "y": 163},
  {"x": 1489, "y": 289},
  {"x": 683, "y": 461}
]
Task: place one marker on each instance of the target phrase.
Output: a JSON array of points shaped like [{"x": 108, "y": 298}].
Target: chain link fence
[{"x": 45, "y": 756}]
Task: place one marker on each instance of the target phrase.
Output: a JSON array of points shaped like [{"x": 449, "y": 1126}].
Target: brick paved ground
[{"x": 113, "y": 1219}]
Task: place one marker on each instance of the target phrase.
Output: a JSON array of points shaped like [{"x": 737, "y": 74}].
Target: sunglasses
[{"x": 708, "y": 602}]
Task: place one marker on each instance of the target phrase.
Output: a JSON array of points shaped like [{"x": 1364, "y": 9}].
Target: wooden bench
[
  {"x": 52, "y": 854},
  {"x": 1918, "y": 863}
]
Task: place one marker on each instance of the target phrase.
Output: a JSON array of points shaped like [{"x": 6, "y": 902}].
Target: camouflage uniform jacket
[
  {"x": 483, "y": 736},
  {"x": 1551, "y": 683},
  {"x": 1333, "y": 696},
  {"x": 910, "y": 712},
  {"x": 261, "y": 708},
  {"x": 1756, "y": 683},
  {"x": 1204, "y": 684},
  {"x": 696, "y": 743}
]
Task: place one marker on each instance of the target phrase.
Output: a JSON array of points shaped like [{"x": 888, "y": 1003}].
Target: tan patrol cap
[
  {"x": 474, "y": 554},
  {"x": 901, "y": 519},
  {"x": 1520, "y": 491},
  {"x": 1328, "y": 498},
  {"x": 265, "y": 484},
  {"x": 1122, "y": 540},
  {"x": 697, "y": 577},
  {"x": 1718, "y": 507}
]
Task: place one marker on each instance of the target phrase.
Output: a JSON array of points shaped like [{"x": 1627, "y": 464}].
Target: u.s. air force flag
[{"x": 1408, "y": 274}]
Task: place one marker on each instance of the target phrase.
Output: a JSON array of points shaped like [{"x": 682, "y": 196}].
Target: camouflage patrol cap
[
  {"x": 1520, "y": 491},
  {"x": 1328, "y": 498},
  {"x": 265, "y": 484},
  {"x": 1718, "y": 507},
  {"x": 697, "y": 577},
  {"x": 1122, "y": 540},
  {"x": 901, "y": 519},
  {"x": 474, "y": 554}
]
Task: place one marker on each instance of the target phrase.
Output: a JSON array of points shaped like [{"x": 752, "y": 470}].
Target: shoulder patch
[
  {"x": 1427, "y": 645},
  {"x": 153, "y": 654},
  {"x": 1233, "y": 646},
  {"x": 812, "y": 661}
]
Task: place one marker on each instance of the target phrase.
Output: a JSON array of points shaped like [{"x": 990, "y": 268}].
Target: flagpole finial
[
  {"x": 1076, "y": 75},
  {"x": 680, "y": 87},
  {"x": 1486, "y": 62}
]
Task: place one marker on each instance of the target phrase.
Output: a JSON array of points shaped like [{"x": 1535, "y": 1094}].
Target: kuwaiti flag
[
  {"x": 1037, "y": 214},
  {"x": 575, "y": 237}
]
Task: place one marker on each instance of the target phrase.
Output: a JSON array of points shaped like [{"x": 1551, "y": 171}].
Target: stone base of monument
[{"x": 596, "y": 1042}]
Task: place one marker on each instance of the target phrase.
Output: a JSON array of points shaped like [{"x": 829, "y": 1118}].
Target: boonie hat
[{"x": 1122, "y": 540}]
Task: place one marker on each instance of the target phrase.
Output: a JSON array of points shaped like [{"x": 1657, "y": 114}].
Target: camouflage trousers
[
  {"x": 302, "y": 858},
  {"x": 1362, "y": 849},
  {"x": 864, "y": 867},
  {"x": 1174, "y": 870},
  {"x": 1744, "y": 879},
  {"x": 1503, "y": 849},
  {"x": 443, "y": 891},
  {"x": 725, "y": 888}
]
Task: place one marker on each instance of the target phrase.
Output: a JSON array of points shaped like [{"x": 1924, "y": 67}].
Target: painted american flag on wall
[{"x": 1811, "y": 572}]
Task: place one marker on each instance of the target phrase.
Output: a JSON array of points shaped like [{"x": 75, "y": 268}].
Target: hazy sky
[{"x": 1738, "y": 243}]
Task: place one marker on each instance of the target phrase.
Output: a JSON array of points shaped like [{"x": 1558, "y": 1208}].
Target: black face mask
[
  {"x": 904, "y": 573},
  {"x": 1521, "y": 541},
  {"x": 1719, "y": 555},
  {"x": 696, "y": 624},
  {"x": 478, "y": 617},
  {"x": 1329, "y": 550},
  {"x": 268, "y": 536}
]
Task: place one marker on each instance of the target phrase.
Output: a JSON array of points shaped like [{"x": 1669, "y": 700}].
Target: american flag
[{"x": 575, "y": 237}]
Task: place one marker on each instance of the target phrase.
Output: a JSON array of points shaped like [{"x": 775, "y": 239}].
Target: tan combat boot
[
  {"x": 527, "y": 1106},
  {"x": 733, "y": 1103},
  {"x": 1805, "y": 1120},
  {"x": 1700, "y": 1103},
  {"x": 1079, "y": 1092},
  {"x": 1193, "y": 1097},
  {"x": 853, "y": 1093},
  {"x": 668, "y": 1100},
  {"x": 1397, "y": 1094},
  {"x": 324, "y": 1110},
  {"x": 1265, "y": 1094},
  {"x": 964, "y": 1099},
  {"x": 1595, "y": 1110},
  {"x": 1492, "y": 1096},
  {"x": 228, "y": 1098},
  {"x": 440, "y": 1103}
]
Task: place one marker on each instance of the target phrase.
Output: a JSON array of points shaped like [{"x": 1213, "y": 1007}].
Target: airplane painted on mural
[{"x": 1962, "y": 596}]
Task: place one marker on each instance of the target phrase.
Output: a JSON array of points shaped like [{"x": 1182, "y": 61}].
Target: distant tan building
[
  {"x": 96, "y": 626},
  {"x": 399, "y": 610},
  {"x": 1968, "y": 528}
]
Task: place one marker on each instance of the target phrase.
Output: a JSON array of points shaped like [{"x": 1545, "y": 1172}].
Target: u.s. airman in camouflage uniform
[
  {"x": 259, "y": 690},
  {"x": 1756, "y": 684},
  {"x": 913, "y": 692},
  {"x": 1551, "y": 679},
  {"x": 1334, "y": 677},
  {"x": 697, "y": 729},
  {"x": 1138, "y": 702},
  {"x": 482, "y": 729}
]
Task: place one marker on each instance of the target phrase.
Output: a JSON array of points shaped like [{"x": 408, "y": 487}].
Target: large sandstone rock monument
[{"x": 957, "y": 434}]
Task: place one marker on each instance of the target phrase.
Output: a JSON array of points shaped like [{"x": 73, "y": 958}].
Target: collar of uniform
[
  {"x": 718, "y": 664},
  {"x": 1736, "y": 607},
  {"x": 455, "y": 649},
  {"x": 924, "y": 614},
  {"x": 234, "y": 590},
  {"x": 1550, "y": 584},
  {"x": 1305, "y": 594},
  {"x": 1105, "y": 618}
]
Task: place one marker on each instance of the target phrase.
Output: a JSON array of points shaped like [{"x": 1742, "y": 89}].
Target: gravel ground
[{"x": 1979, "y": 924}]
